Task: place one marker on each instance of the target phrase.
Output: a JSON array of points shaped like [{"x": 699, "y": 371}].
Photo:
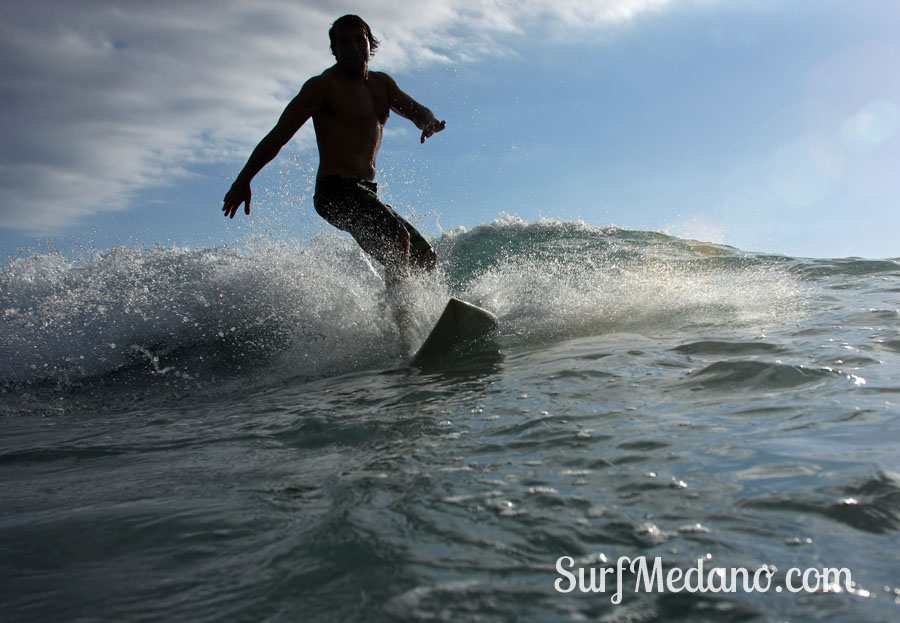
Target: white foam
[
  {"x": 315, "y": 304},
  {"x": 319, "y": 308}
]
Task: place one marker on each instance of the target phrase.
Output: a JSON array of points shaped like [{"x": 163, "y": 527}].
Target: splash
[
  {"x": 290, "y": 309},
  {"x": 551, "y": 280},
  {"x": 152, "y": 307}
]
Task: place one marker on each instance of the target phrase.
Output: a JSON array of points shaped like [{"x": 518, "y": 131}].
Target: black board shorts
[{"x": 352, "y": 205}]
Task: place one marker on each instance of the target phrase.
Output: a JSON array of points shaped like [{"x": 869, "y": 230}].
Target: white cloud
[{"x": 100, "y": 99}]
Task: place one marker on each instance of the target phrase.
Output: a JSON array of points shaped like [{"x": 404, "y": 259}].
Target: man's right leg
[{"x": 352, "y": 206}]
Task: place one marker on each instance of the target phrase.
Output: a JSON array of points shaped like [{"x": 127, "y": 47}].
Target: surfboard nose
[{"x": 460, "y": 324}]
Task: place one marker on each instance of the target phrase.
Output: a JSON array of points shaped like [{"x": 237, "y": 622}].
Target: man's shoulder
[
  {"x": 314, "y": 84},
  {"x": 326, "y": 74},
  {"x": 323, "y": 78},
  {"x": 381, "y": 77},
  {"x": 320, "y": 85}
]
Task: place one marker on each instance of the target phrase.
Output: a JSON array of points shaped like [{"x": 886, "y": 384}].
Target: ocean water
[{"x": 234, "y": 434}]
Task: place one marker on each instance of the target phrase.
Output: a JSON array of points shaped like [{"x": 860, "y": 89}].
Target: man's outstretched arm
[
  {"x": 301, "y": 108},
  {"x": 407, "y": 107}
]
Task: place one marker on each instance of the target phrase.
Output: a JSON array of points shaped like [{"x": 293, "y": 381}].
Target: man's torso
[{"x": 350, "y": 125}]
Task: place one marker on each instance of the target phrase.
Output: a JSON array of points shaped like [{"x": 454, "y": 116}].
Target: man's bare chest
[{"x": 358, "y": 103}]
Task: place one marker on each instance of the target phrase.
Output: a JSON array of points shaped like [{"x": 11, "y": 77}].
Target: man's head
[{"x": 350, "y": 21}]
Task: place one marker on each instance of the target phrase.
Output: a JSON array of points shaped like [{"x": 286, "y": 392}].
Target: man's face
[{"x": 351, "y": 47}]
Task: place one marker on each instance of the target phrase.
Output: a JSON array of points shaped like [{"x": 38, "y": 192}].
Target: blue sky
[{"x": 770, "y": 126}]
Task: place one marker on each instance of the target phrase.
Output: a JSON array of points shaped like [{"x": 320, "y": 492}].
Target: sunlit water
[{"x": 235, "y": 435}]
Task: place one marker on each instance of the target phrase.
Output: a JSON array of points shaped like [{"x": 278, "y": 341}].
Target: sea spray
[
  {"x": 290, "y": 309},
  {"x": 551, "y": 280},
  {"x": 67, "y": 320}
]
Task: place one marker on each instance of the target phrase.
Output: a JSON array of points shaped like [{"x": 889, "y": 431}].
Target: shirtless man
[{"x": 349, "y": 106}]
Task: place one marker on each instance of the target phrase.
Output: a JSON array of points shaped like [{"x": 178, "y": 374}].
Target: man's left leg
[{"x": 421, "y": 254}]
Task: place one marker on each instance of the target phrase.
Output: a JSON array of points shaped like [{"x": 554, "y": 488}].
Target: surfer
[{"x": 349, "y": 106}]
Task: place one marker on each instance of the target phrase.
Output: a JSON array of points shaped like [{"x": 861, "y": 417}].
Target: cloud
[{"x": 100, "y": 99}]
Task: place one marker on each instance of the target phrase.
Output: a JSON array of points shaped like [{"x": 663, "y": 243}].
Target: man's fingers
[
  {"x": 432, "y": 129},
  {"x": 231, "y": 206}
]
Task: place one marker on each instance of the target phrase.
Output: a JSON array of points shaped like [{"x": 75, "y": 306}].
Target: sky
[{"x": 771, "y": 126}]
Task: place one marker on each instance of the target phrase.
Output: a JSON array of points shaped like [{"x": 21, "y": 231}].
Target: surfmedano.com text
[{"x": 650, "y": 578}]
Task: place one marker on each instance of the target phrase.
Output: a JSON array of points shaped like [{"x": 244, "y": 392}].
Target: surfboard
[{"x": 461, "y": 324}]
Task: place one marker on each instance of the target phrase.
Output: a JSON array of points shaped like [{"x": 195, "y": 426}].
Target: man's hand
[
  {"x": 239, "y": 193},
  {"x": 432, "y": 127}
]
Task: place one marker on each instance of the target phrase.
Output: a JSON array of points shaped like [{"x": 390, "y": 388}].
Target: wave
[
  {"x": 871, "y": 506},
  {"x": 318, "y": 307},
  {"x": 552, "y": 279}
]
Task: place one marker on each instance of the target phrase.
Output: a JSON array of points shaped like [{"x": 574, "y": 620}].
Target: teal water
[{"x": 234, "y": 434}]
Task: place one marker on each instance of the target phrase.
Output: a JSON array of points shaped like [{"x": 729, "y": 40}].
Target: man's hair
[{"x": 353, "y": 20}]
